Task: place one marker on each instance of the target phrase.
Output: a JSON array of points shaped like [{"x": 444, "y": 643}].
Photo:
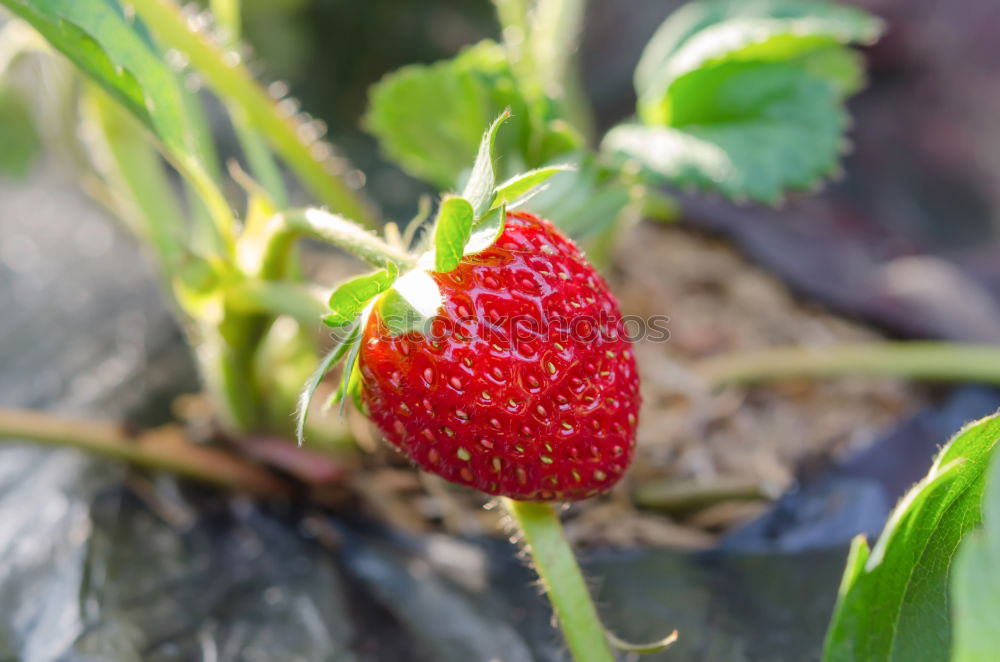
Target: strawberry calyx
[{"x": 464, "y": 224}]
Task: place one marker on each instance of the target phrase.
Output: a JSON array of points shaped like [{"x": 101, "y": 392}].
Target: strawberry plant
[
  {"x": 925, "y": 591},
  {"x": 484, "y": 345}
]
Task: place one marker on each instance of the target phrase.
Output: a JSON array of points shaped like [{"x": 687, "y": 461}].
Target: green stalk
[
  {"x": 925, "y": 360},
  {"x": 560, "y": 574},
  {"x": 555, "y": 40},
  {"x": 137, "y": 180},
  {"x": 227, "y": 15},
  {"x": 518, "y": 37},
  {"x": 231, "y": 357},
  {"x": 515, "y": 21},
  {"x": 262, "y": 164},
  {"x": 288, "y": 226},
  {"x": 145, "y": 199},
  {"x": 167, "y": 450},
  {"x": 277, "y": 298},
  {"x": 235, "y": 85},
  {"x": 259, "y": 157},
  {"x": 211, "y": 199}
]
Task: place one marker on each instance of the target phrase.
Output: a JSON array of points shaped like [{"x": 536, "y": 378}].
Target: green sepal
[
  {"x": 451, "y": 232},
  {"x": 519, "y": 188},
  {"x": 350, "y": 382},
  {"x": 336, "y": 354},
  {"x": 350, "y": 298},
  {"x": 473, "y": 222},
  {"x": 479, "y": 188},
  {"x": 412, "y": 304},
  {"x": 487, "y": 230}
]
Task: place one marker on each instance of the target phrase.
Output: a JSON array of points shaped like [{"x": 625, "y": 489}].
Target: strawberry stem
[
  {"x": 564, "y": 583},
  {"x": 927, "y": 360},
  {"x": 337, "y": 230}
]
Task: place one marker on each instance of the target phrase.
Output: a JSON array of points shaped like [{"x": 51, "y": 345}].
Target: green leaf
[
  {"x": 119, "y": 54},
  {"x": 346, "y": 343},
  {"x": 486, "y": 231},
  {"x": 430, "y": 118},
  {"x": 520, "y": 188},
  {"x": 894, "y": 605},
  {"x": 710, "y": 32},
  {"x": 412, "y": 304},
  {"x": 841, "y": 67},
  {"x": 18, "y": 136},
  {"x": 975, "y": 583},
  {"x": 351, "y": 297},
  {"x": 748, "y": 130},
  {"x": 451, "y": 232},
  {"x": 734, "y": 91},
  {"x": 479, "y": 189}
]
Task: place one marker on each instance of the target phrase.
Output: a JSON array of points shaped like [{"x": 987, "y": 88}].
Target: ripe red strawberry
[{"x": 526, "y": 388}]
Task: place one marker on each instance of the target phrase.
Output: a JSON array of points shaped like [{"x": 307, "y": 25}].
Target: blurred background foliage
[{"x": 330, "y": 52}]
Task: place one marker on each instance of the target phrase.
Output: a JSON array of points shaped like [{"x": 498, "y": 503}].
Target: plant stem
[
  {"x": 227, "y": 358},
  {"x": 277, "y": 298},
  {"x": 215, "y": 203},
  {"x": 166, "y": 449},
  {"x": 227, "y": 15},
  {"x": 515, "y": 23},
  {"x": 262, "y": 164},
  {"x": 555, "y": 37},
  {"x": 540, "y": 37},
  {"x": 259, "y": 157},
  {"x": 337, "y": 230},
  {"x": 557, "y": 567},
  {"x": 659, "y": 206},
  {"x": 926, "y": 360},
  {"x": 140, "y": 190},
  {"x": 235, "y": 85}
]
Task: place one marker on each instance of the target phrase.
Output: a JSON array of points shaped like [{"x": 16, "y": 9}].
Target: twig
[
  {"x": 674, "y": 496},
  {"x": 164, "y": 449},
  {"x": 925, "y": 360}
]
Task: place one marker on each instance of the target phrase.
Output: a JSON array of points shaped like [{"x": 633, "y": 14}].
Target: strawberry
[
  {"x": 495, "y": 357},
  {"x": 525, "y": 387}
]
